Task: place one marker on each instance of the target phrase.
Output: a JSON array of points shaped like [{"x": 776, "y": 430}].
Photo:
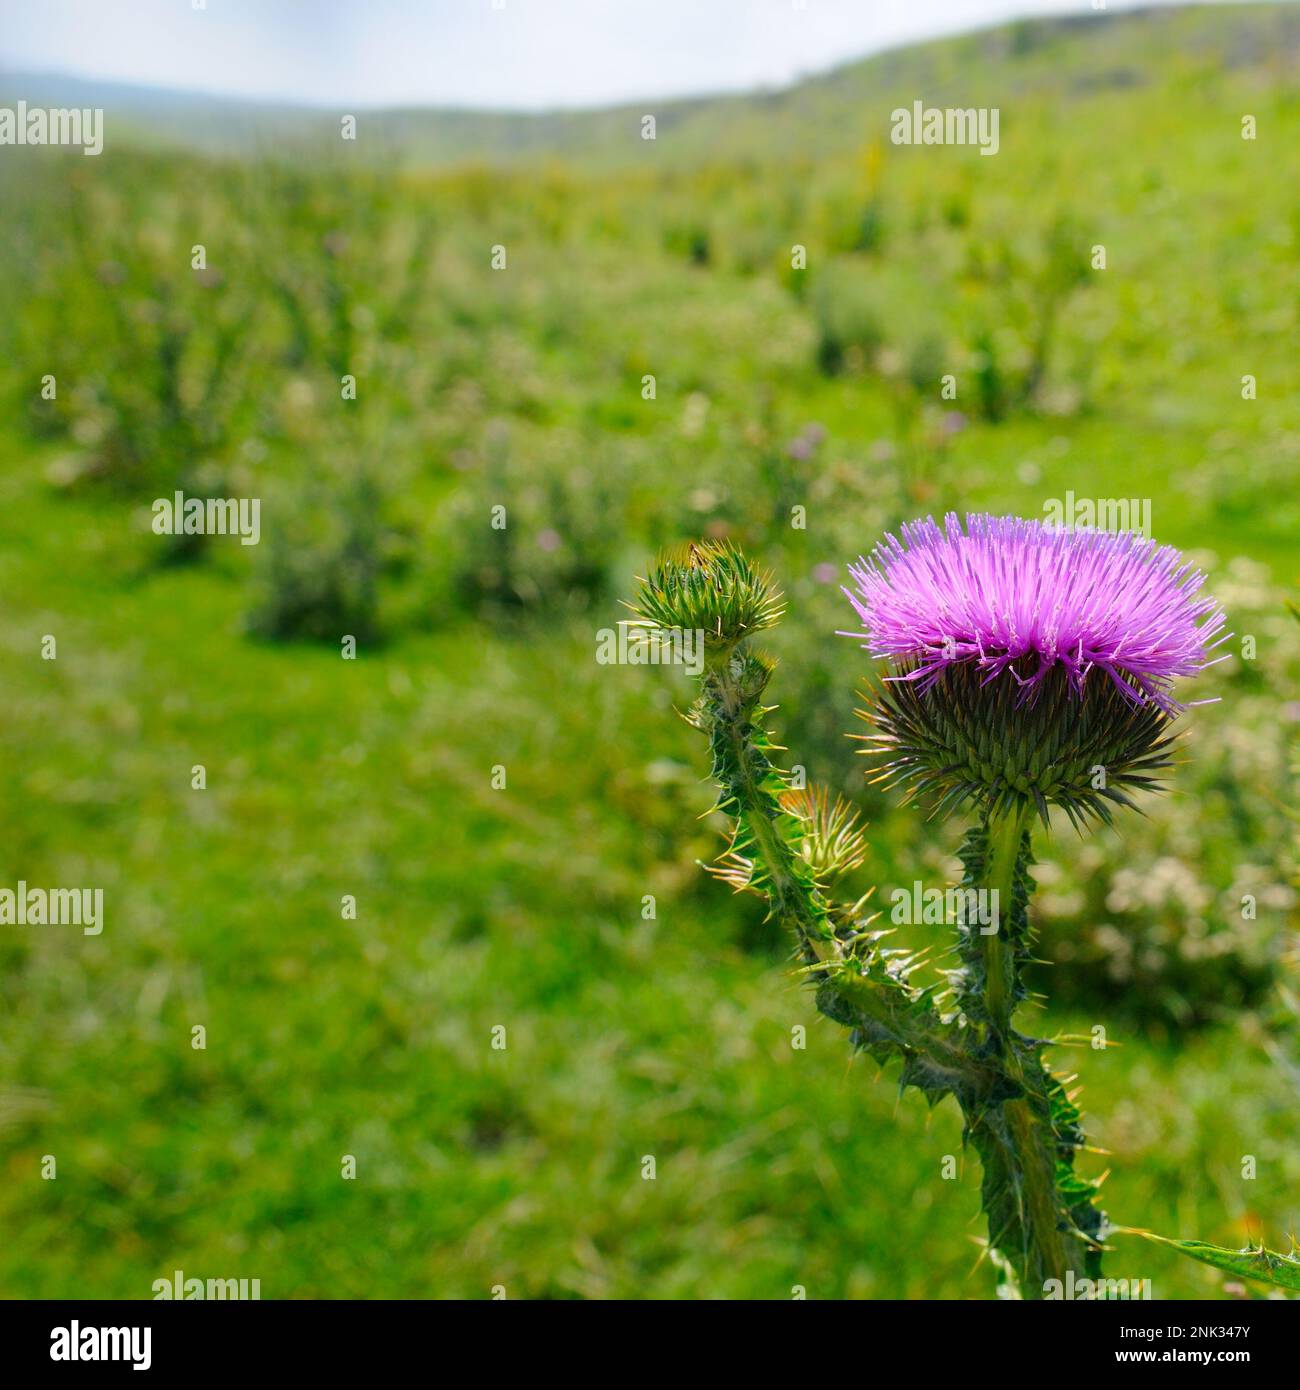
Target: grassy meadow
[{"x": 796, "y": 411}]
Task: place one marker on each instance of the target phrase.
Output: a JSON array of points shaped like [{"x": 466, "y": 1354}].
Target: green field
[{"x": 778, "y": 393}]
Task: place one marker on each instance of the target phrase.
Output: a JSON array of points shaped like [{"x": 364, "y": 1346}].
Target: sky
[{"x": 517, "y": 54}]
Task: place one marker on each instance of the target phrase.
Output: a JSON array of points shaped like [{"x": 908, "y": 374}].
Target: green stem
[
  {"x": 1005, "y": 838},
  {"x": 794, "y": 899},
  {"x": 1027, "y": 1131}
]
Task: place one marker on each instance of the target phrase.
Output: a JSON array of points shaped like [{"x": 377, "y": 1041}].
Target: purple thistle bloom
[{"x": 1007, "y": 590}]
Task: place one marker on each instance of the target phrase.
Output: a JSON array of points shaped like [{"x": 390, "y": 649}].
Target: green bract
[{"x": 971, "y": 740}]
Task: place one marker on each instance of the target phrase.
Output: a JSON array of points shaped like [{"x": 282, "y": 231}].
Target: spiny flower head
[
  {"x": 1006, "y": 591},
  {"x": 1031, "y": 665},
  {"x": 712, "y": 587}
]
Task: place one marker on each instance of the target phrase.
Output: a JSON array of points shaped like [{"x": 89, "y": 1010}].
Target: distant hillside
[{"x": 819, "y": 115}]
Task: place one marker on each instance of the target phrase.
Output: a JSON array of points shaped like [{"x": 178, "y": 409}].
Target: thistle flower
[{"x": 1032, "y": 665}]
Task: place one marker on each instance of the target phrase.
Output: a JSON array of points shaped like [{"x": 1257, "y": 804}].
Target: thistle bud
[{"x": 712, "y": 588}]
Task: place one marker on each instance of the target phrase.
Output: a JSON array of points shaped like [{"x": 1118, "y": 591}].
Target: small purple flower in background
[
  {"x": 882, "y": 451},
  {"x": 825, "y": 573},
  {"x": 807, "y": 443},
  {"x": 953, "y": 422},
  {"x": 548, "y": 540},
  {"x": 1007, "y": 591}
]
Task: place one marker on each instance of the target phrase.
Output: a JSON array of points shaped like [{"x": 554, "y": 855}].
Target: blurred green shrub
[
  {"x": 528, "y": 534},
  {"x": 848, "y": 319},
  {"x": 321, "y": 560}
]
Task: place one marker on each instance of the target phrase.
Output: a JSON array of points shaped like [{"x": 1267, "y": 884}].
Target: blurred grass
[{"x": 522, "y": 907}]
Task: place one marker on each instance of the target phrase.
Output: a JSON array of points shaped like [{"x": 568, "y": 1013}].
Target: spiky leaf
[{"x": 1254, "y": 1262}]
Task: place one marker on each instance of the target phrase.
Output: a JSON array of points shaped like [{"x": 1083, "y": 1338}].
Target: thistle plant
[{"x": 1025, "y": 668}]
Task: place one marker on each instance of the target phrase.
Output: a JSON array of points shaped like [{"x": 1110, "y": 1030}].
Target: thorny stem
[
  {"x": 857, "y": 988},
  {"x": 1017, "y": 1116},
  {"x": 1024, "y": 1138},
  {"x": 789, "y": 905}
]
